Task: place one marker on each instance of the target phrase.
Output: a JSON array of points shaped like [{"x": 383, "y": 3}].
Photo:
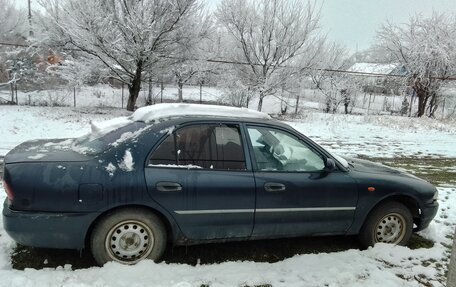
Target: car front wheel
[
  {"x": 390, "y": 222},
  {"x": 128, "y": 236}
]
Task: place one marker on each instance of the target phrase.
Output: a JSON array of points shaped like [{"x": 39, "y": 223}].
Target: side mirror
[{"x": 330, "y": 165}]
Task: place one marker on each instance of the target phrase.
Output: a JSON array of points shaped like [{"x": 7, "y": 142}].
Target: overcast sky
[{"x": 354, "y": 22}]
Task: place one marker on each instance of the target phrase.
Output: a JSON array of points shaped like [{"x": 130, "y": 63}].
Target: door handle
[
  {"x": 274, "y": 187},
  {"x": 167, "y": 186}
]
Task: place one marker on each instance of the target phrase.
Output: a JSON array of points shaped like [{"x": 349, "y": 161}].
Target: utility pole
[{"x": 30, "y": 18}]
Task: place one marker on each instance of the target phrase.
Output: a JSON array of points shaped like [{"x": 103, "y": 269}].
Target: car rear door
[
  {"x": 295, "y": 195},
  {"x": 199, "y": 173}
]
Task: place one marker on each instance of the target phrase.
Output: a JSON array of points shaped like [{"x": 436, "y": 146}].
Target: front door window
[{"x": 279, "y": 151}]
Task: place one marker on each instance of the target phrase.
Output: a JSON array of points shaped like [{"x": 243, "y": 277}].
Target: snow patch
[
  {"x": 159, "y": 111},
  {"x": 37, "y": 156},
  {"x": 128, "y": 136},
  {"x": 168, "y": 131},
  {"x": 187, "y": 166},
  {"x": 111, "y": 169},
  {"x": 99, "y": 129},
  {"x": 127, "y": 163}
]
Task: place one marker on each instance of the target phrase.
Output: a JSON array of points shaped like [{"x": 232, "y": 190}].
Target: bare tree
[
  {"x": 267, "y": 35},
  {"x": 194, "y": 45},
  {"x": 427, "y": 48},
  {"x": 331, "y": 57},
  {"x": 12, "y": 28},
  {"x": 337, "y": 88},
  {"x": 12, "y": 22},
  {"x": 128, "y": 37}
]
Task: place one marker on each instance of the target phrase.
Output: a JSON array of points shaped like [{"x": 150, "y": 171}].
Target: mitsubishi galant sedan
[{"x": 189, "y": 174}]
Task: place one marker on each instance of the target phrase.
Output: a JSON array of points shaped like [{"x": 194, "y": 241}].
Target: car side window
[
  {"x": 279, "y": 151},
  {"x": 202, "y": 146}
]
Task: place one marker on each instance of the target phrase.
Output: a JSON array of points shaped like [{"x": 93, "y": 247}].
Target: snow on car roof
[{"x": 158, "y": 111}]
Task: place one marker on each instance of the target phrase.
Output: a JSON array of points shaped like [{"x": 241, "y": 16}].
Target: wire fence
[{"x": 106, "y": 96}]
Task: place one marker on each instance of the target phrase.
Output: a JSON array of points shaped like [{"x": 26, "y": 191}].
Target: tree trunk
[
  {"x": 422, "y": 102},
  {"x": 12, "y": 92},
  {"x": 180, "y": 87},
  {"x": 134, "y": 87},
  {"x": 424, "y": 93},
  {"x": 433, "y": 105},
  {"x": 421, "y": 105},
  {"x": 150, "y": 94},
  {"x": 260, "y": 101}
]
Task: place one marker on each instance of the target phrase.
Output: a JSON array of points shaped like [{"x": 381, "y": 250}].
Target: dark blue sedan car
[{"x": 190, "y": 174}]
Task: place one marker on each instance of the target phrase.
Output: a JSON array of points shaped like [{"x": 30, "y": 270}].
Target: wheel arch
[
  {"x": 168, "y": 225},
  {"x": 408, "y": 201}
]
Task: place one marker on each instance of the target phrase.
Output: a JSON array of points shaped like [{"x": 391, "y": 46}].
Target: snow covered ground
[
  {"x": 384, "y": 265},
  {"x": 351, "y": 135},
  {"x": 379, "y": 136}
]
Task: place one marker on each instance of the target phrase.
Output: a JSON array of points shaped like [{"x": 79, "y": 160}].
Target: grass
[{"x": 435, "y": 170}]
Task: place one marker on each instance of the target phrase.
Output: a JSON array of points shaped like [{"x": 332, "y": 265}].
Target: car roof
[
  {"x": 161, "y": 111},
  {"x": 179, "y": 120}
]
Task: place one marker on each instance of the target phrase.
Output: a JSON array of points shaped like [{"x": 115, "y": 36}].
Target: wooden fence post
[
  {"x": 297, "y": 105},
  {"x": 122, "y": 95},
  {"x": 443, "y": 109},
  {"x": 12, "y": 92},
  {"x": 161, "y": 91},
  {"x": 369, "y": 104}
]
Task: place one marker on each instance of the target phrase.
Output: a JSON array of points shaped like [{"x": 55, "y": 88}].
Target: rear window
[{"x": 96, "y": 145}]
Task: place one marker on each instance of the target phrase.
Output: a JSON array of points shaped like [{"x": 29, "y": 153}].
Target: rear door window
[{"x": 202, "y": 146}]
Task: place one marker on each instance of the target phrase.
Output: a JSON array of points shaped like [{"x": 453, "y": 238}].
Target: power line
[{"x": 230, "y": 62}]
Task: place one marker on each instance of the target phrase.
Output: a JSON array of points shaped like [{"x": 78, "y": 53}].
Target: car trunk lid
[{"x": 53, "y": 150}]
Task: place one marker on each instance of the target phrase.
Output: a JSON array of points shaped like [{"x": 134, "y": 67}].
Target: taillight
[{"x": 8, "y": 190}]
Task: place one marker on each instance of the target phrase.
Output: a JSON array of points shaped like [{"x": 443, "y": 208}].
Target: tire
[
  {"x": 128, "y": 236},
  {"x": 390, "y": 222}
]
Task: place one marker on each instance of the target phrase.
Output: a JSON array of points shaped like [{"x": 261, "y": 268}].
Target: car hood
[
  {"x": 51, "y": 150},
  {"x": 366, "y": 166}
]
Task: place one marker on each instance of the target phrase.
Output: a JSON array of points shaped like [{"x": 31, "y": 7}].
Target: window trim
[{"x": 244, "y": 144}]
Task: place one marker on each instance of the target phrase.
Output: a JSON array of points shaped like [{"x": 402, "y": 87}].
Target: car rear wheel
[
  {"x": 390, "y": 222},
  {"x": 128, "y": 236}
]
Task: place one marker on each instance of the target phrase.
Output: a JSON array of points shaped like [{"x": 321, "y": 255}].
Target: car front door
[
  {"x": 199, "y": 173},
  {"x": 295, "y": 195}
]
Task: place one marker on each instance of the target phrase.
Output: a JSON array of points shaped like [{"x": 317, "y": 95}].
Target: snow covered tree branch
[
  {"x": 128, "y": 37},
  {"x": 12, "y": 21},
  {"x": 267, "y": 35},
  {"x": 195, "y": 43},
  {"x": 427, "y": 48}
]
